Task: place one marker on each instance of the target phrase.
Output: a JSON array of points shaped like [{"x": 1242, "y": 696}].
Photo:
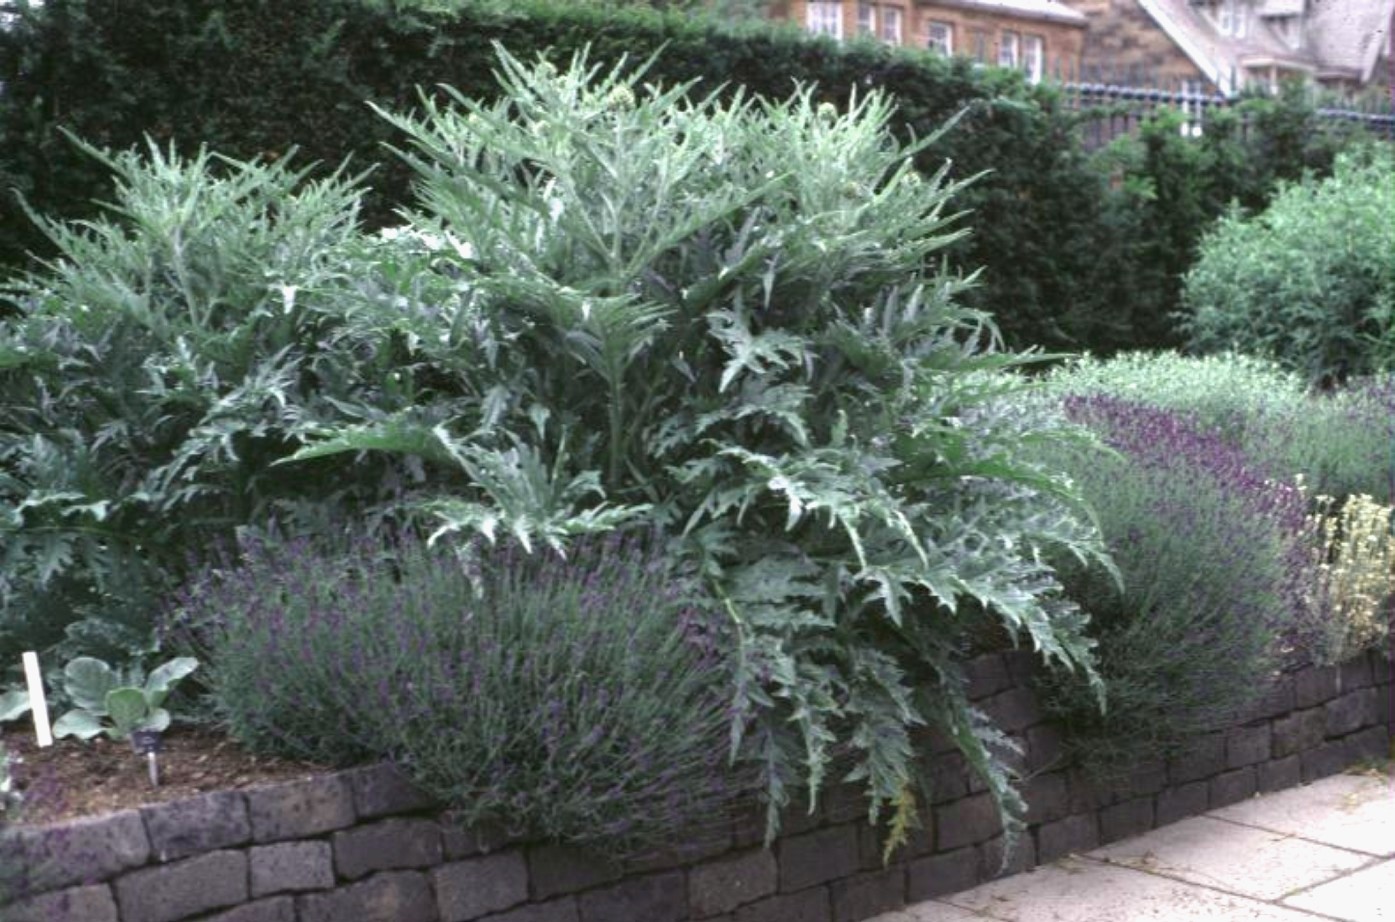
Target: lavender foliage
[
  {"x": 580, "y": 699},
  {"x": 1213, "y": 568}
]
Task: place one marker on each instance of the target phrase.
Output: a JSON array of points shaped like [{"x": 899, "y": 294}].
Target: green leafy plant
[
  {"x": 729, "y": 318},
  {"x": 1309, "y": 282},
  {"x": 107, "y": 701}
]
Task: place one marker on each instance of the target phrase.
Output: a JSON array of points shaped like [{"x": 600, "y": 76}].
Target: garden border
[{"x": 364, "y": 844}]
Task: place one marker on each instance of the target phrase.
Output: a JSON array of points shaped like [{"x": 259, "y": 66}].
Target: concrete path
[{"x": 1323, "y": 851}]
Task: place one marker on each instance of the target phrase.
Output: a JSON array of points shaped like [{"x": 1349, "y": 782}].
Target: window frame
[
  {"x": 1034, "y": 56},
  {"x": 1009, "y": 49},
  {"x": 867, "y": 19},
  {"x": 889, "y": 14},
  {"x": 942, "y": 43},
  {"x": 823, "y": 23}
]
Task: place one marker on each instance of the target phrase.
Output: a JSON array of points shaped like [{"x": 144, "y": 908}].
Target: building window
[
  {"x": 1009, "y": 49},
  {"x": 939, "y": 36},
  {"x": 1034, "y": 57},
  {"x": 891, "y": 25},
  {"x": 825, "y": 18},
  {"x": 1290, "y": 29},
  {"x": 866, "y": 19},
  {"x": 1232, "y": 17},
  {"x": 978, "y": 42}
]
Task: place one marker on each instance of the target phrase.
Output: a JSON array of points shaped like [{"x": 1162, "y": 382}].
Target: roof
[
  {"x": 1349, "y": 34},
  {"x": 1223, "y": 58},
  {"x": 1046, "y": 10}
]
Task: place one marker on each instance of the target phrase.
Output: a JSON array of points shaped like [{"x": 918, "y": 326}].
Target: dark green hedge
[{"x": 257, "y": 77}]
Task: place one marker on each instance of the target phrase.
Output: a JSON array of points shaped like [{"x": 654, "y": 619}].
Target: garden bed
[{"x": 364, "y": 845}]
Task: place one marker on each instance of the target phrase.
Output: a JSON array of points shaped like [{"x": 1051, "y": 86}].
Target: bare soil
[{"x": 73, "y": 778}]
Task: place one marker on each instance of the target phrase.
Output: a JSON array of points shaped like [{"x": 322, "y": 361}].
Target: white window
[
  {"x": 866, "y": 19},
  {"x": 825, "y": 18},
  {"x": 1232, "y": 17},
  {"x": 978, "y": 42},
  {"x": 891, "y": 25},
  {"x": 939, "y": 36},
  {"x": 1009, "y": 49},
  {"x": 1290, "y": 29},
  {"x": 1034, "y": 57}
]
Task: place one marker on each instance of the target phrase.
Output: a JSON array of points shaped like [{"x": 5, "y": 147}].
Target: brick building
[
  {"x": 1226, "y": 45},
  {"x": 1039, "y": 37}
]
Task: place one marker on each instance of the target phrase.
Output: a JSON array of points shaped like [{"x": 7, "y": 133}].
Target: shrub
[
  {"x": 1213, "y": 563},
  {"x": 1338, "y": 442},
  {"x": 728, "y": 317},
  {"x": 1354, "y": 557},
  {"x": 1310, "y": 281},
  {"x": 579, "y": 699},
  {"x": 150, "y": 377}
]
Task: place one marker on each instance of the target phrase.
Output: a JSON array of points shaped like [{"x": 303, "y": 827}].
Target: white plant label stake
[{"x": 38, "y": 704}]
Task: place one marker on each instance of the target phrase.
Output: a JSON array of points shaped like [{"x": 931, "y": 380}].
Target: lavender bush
[
  {"x": 1213, "y": 567},
  {"x": 581, "y": 699}
]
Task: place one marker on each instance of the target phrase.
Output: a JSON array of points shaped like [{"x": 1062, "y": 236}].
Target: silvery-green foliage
[
  {"x": 731, "y": 319},
  {"x": 109, "y": 701},
  {"x": 150, "y": 374}
]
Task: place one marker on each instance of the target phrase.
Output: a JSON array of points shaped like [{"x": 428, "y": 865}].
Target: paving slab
[
  {"x": 1356, "y": 812},
  {"x": 1244, "y": 860},
  {"x": 1366, "y": 896},
  {"x": 1088, "y": 891}
]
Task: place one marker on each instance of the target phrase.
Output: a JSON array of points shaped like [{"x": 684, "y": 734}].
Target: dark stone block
[
  {"x": 276, "y": 909},
  {"x": 1086, "y": 793},
  {"x": 964, "y": 822},
  {"x": 1180, "y": 802},
  {"x": 78, "y": 904},
  {"x": 1022, "y": 666},
  {"x": 1232, "y": 787},
  {"x": 469, "y": 889},
  {"x": 1328, "y": 759},
  {"x": 685, "y": 850},
  {"x": 1299, "y": 731},
  {"x": 1315, "y": 685},
  {"x": 283, "y": 867},
  {"x": 1354, "y": 674},
  {"x": 168, "y": 892},
  {"x": 722, "y": 885},
  {"x": 871, "y": 845},
  {"x": 653, "y": 898},
  {"x": 1142, "y": 780},
  {"x": 1202, "y": 759},
  {"x": 1247, "y": 745},
  {"x": 868, "y": 895},
  {"x": 817, "y": 857},
  {"x": 1350, "y": 712},
  {"x": 181, "y": 828},
  {"x": 1126, "y": 819},
  {"x": 937, "y": 875},
  {"x": 300, "y": 809},
  {"x": 461, "y": 841},
  {"x": 559, "y": 869},
  {"x": 844, "y": 803},
  {"x": 1013, "y": 710},
  {"x": 394, "y": 896},
  {"x": 563, "y": 910},
  {"x": 1280, "y": 774},
  {"x": 1078, "y": 833},
  {"x": 1371, "y": 743},
  {"x": 384, "y": 790},
  {"x": 1045, "y": 748},
  {"x": 1277, "y": 701},
  {"x": 387, "y": 845},
  {"x": 987, "y": 675},
  {"x": 1023, "y": 857},
  {"x": 1047, "y": 798},
  {"x": 806, "y": 906},
  {"x": 949, "y": 778},
  {"x": 1381, "y": 667},
  {"x": 82, "y": 851}
]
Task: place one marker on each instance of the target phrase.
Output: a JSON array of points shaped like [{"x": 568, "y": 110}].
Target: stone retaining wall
[{"x": 363, "y": 846}]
